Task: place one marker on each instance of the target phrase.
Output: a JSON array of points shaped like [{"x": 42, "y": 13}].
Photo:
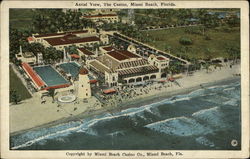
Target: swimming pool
[
  {"x": 50, "y": 76},
  {"x": 71, "y": 68}
]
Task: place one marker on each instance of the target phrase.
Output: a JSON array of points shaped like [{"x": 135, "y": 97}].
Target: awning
[
  {"x": 93, "y": 81},
  {"x": 57, "y": 86},
  {"x": 108, "y": 91},
  {"x": 162, "y": 81},
  {"x": 171, "y": 79},
  {"x": 75, "y": 56}
]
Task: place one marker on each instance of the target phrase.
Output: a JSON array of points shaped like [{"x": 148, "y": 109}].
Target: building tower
[
  {"x": 84, "y": 90},
  {"x": 39, "y": 58}
]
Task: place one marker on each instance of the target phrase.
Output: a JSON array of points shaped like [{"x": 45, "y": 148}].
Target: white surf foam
[
  {"x": 211, "y": 116},
  {"x": 180, "y": 126},
  {"x": 204, "y": 141}
]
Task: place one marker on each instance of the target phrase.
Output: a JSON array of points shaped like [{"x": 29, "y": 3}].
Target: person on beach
[{"x": 201, "y": 86}]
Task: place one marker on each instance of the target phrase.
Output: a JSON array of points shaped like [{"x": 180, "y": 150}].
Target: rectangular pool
[{"x": 50, "y": 76}]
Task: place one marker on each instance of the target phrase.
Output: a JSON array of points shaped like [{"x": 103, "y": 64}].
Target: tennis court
[{"x": 51, "y": 77}]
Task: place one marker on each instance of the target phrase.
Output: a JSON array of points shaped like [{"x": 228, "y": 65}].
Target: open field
[
  {"x": 21, "y": 19},
  {"x": 199, "y": 49},
  {"x": 17, "y": 85}
]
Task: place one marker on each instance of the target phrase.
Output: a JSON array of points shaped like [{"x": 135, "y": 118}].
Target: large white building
[
  {"x": 159, "y": 61},
  {"x": 122, "y": 66},
  {"x": 109, "y": 18},
  {"x": 60, "y": 40},
  {"x": 27, "y": 57}
]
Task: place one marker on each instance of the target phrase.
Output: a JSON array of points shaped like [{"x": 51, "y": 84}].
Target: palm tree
[
  {"x": 233, "y": 52},
  {"x": 14, "y": 97},
  {"x": 52, "y": 94},
  {"x": 207, "y": 65}
]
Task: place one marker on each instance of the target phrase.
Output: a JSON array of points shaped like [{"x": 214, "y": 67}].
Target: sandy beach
[{"x": 31, "y": 114}]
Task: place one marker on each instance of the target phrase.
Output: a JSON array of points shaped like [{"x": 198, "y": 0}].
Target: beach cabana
[
  {"x": 93, "y": 81},
  {"x": 75, "y": 56},
  {"x": 108, "y": 91},
  {"x": 162, "y": 81},
  {"x": 171, "y": 79}
]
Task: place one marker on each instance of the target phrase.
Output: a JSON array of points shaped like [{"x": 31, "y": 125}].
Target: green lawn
[
  {"x": 17, "y": 85},
  {"x": 219, "y": 39},
  {"x": 21, "y": 19}
]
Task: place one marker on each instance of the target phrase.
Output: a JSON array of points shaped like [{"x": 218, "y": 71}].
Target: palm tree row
[{"x": 54, "y": 20}]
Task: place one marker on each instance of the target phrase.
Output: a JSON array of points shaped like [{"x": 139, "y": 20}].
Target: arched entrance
[
  {"x": 131, "y": 80},
  {"x": 139, "y": 79},
  {"x": 163, "y": 75},
  {"x": 145, "y": 78},
  {"x": 153, "y": 77}
]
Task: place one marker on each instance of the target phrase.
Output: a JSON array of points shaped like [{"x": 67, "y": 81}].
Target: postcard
[{"x": 124, "y": 79}]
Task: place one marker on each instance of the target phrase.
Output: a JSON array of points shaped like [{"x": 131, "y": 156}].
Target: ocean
[{"x": 205, "y": 119}]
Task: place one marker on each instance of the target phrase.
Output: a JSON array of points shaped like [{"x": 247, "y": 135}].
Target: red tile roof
[
  {"x": 109, "y": 48},
  {"x": 30, "y": 39},
  {"x": 122, "y": 55},
  {"x": 85, "y": 51},
  {"x": 33, "y": 75},
  {"x": 160, "y": 58},
  {"x": 93, "y": 81},
  {"x": 117, "y": 55},
  {"x": 107, "y": 91},
  {"x": 99, "y": 16},
  {"x": 57, "y": 86},
  {"x": 83, "y": 71},
  {"x": 75, "y": 56},
  {"x": 128, "y": 54},
  {"x": 70, "y": 39}
]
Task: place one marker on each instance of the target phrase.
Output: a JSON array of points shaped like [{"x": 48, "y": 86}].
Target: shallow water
[{"x": 203, "y": 119}]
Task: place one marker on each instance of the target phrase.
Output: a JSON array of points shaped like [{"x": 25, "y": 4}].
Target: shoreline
[{"x": 137, "y": 102}]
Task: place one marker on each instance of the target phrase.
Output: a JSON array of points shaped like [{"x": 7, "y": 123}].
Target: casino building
[{"x": 122, "y": 66}]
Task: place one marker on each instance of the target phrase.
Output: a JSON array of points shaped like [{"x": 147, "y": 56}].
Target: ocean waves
[{"x": 197, "y": 114}]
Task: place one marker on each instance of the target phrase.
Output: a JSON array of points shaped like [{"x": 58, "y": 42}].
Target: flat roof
[
  {"x": 100, "y": 15},
  {"x": 28, "y": 54},
  {"x": 70, "y": 39},
  {"x": 85, "y": 51},
  {"x": 64, "y": 33}
]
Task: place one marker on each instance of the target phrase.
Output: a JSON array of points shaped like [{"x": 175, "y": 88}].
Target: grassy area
[
  {"x": 199, "y": 49},
  {"x": 17, "y": 85},
  {"x": 21, "y": 19}
]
